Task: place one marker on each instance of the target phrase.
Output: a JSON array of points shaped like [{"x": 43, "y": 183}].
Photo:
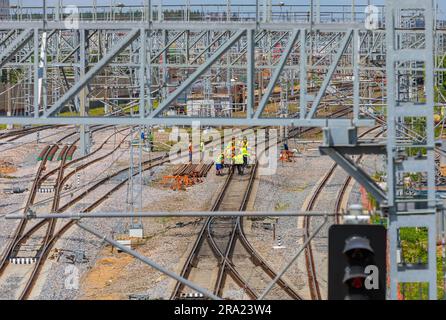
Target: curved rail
[
  {"x": 22, "y": 224},
  {"x": 49, "y": 232},
  {"x": 234, "y": 232},
  {"x": 315, "y": 291}
]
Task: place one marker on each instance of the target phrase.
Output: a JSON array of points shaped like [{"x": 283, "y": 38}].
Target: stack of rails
[
  {"x": 43, "y": 153},
  {"x": 62, "y": 153},
  {"x": 194, "y": 170},
  {"x": 71, "y": 152},
  {"x": 52, "y": 153}
]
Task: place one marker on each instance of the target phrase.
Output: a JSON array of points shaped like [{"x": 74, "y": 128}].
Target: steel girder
[{"x": 129, "y": 38}]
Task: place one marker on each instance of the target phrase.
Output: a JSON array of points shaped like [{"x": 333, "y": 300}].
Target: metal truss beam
[
  {"x": 208, "y": 47},
  {"x": 184, "y": 121},
  {"x": 330, "y": 73},
  {"x": 405, "y": 210},
  {"x": 168, "y": 45},
  {"x": 202, "y": 69},
  {"x": 278, "y": 70},
  {"x": 192, "y": 26},
  {"x": 30, "y": 53},
  {"x": 129, "y": 38},
  {"x": 15, "y": 46},
  {"x": 7, "y": 37}
]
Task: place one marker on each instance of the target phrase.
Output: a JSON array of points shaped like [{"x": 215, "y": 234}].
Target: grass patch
[
  {"x": 414, "y": 246},
  {"x": 281, "y": 206},
  {"x": 95, "y": 112}
]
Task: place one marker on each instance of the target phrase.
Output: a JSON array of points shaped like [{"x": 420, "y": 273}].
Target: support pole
[
  {"x": 142, "y": 73},
  {"x": 84, "y": 134},
  {"x": 250, "y": 101},
  {"x": 356, "y": 74}
]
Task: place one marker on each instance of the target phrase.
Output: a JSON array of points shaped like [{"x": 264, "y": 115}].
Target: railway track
[
  {"x": 221, "y": 235},
  {"x": 45, "y": 242},
  {"x": 215, "y": 248},
  {"x": 57, "y": 234},
  {"x": 342, "y": 194},
  {"x": 22, "y": 224},
  {"x": 20, "y": 133},
  {"x": 51, "y": 236},
  {"x": 315, "y": 291},
  {"x": 51, "y": 225},
  {"x": 30, "y": 201}
]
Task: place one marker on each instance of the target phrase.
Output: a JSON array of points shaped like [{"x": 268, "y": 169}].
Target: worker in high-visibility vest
[
  {"x": 245, "y": 142},
  {"x": 219, "y": 162},
  {"x": 201, "y": 150},
  {"x": 239, "y": 163},
  {"x": 190, "y": 152},
  {"x": 230, "y": 152},
  {"x": 233, "y": 147},
  {"x": 151, "y": 140},
  {"x": 246, "y": 156}
]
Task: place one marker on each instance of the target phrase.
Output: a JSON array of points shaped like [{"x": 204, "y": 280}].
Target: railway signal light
[{"x": 357, "y": 262}]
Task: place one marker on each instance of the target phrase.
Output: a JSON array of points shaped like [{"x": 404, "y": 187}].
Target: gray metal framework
[
  {"x": 403, "y": 212},
  {"x": 141, "y": 65}
]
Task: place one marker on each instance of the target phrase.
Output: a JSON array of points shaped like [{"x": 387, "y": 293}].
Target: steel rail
[
  {"x": 51, "y": 241},
  {"x": 315, "y": 291},
  {"x": 342, "y": 192},
  {"x": 22, "y": 224},
  {"x": 19, "y": 237},
  {"x": 41, "y": 257},
  {"x": 36, "y": 227}
]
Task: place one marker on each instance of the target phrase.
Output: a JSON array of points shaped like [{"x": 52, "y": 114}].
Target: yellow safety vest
[
  {"x": 239, "y": 159},
  {"x": 230, "y": 151},
  {"x": 220, "y": 159}
]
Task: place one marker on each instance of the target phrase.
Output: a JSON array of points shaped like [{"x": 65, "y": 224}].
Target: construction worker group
[{"x": 235, "y": 156}]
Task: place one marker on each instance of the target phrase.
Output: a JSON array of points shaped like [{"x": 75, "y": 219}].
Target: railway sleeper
[
  {"x": 192, "y": 296},
  {"x": 23, "y": 261}
]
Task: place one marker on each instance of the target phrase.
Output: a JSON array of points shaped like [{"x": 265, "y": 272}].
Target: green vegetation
[
  {"x": 95, "y": 112},
  {"x": 414, "y": 250},
  {"x": 281, "y": 206},
  {"x": 99, "y": 111},
  {"x": 377, "y": 219}
]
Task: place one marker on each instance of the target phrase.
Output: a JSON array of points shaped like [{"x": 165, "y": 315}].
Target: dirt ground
[
  {"x": 167, "y": 242},
  {"x": 7, "y": 167}
]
